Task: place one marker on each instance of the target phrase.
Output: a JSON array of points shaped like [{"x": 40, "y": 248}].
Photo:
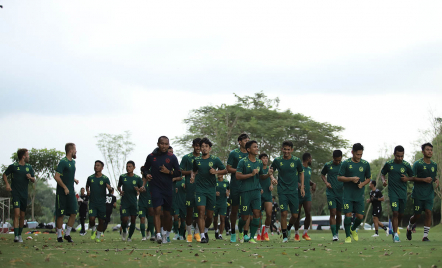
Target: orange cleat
[
  {"x": 189, "y": 238},
  {"x": 197, "y": 237},
  {"x": 306, "y": 237},
  {"x": 259, "y": 238},
  {"x": 297, "y": 237},
  {"x": 266, "y": 237}
]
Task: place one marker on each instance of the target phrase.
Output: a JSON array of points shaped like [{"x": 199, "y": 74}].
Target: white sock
[
  {"x": 167, "y": 233},
  {"x": 162, "y": 230},
  {"x": 158, "y": 235},
  {"x": 58, "y": 232},
  {"x": 197, "y": 229},
  {"x": 297, "y": 232},
  {"x": 206, "y": 230},
  {"x": 259, "y": 231},
  {"x": 410, "y": 226},
  {"x": 305, "y": 231},
  {"x": 203, "y": 235},
  {"x": 267, "y": 229},
  {"x": 94, "y": 228},
  {"x": 189, "y": 229},
  {"x": 98, "y": 234},
  {"x": 68, "y": 230},
  {"x": 216, "y": 231},
  {"x": 395, "y": 234},
  {"x": 426, "y": 230}
]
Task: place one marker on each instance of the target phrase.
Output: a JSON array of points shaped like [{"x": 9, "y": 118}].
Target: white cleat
[
  {"x": 176, "y": 237},
  {"x": 124, "y": 236},
  {"x": 165, "y": 240},
  {"x": 144, "y": 239},
  {"x": 20, "y": 240},
  {"x": 129, "y": 240},
  {"x": 375, "y": 235},
  {"x": 335, "y": 238}
]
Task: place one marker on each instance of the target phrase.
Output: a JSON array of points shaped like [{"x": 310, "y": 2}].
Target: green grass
[{"x": 44, "y": 250}]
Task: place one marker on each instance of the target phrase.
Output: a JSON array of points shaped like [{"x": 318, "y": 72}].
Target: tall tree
[
  {"x": 44, "y": 162},
  {"x": 115, "y": 150}
]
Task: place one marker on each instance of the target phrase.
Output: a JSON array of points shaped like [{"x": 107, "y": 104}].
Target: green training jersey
[
  {"x": 66, "y": 169},
  {"x": 307, "y": 178},
  {"x": 19, "y": 181},
  {"x": 206, "y": 182},
  {"x": 288, "y": 174},
  {"x": 180, "y": 196},
  {"x": 246, "y": 166},
  {"x": 423, "y": 190},
  {"x": 331, "y": 171},
  {"x": 396, "y": 187},
  {"x": 351, "y": 169},
  {"x": 234, "y": 157},
  {"x": 187, "y": 165},
  {"x": 222, "y": 187},
  {"x": 143, "y": 199},
  {"x": 130, "y": 194},
  {"x": 265, "y": 184},
  {"x": 97, "y": 189}
]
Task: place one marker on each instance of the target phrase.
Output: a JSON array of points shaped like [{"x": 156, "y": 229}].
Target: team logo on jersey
[
  {"x": 391, "y": 168},
  {"x": 280, "y": 163},
  {"x": 292, "y": 165},
  {"x": 27, "y": 169},
  {"x": 92, "y": 180},
  {"x": 225, "y": 185},
  {"x": 133, "y": 182},
  {"x": 167, "y": 160},
  {"x": 101, "y": 182},
  {"x": 154, "y": 159},
  {"x": 69, "y": 165},
  {"x": 432, "y": 169},
  {"x": 216, "y": 184},
  {"x": 309, "y": 173},
  {"x": 18, "y": 168},
  {"x": 350, "y": 167},
  {"x": 210, "y": 164},
  {"x": 425, "y": 167},
  {"x": 248, "y": 165},
  {"x": 361, "y": 169},
  {"x": 331, "y": 168},
  {"x": 402, "y": 170}
]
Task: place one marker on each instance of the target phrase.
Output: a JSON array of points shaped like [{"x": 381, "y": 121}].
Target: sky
[{"x": 72, "y": 70}]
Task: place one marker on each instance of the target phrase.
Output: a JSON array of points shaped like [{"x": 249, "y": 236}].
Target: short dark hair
[
  {"x": 306, "y": 156},
  {"x": 243, "y": 136},
  {"x": 357, "y": 147},
  {"x": 425, "y": 145},
  {"x": 112, "y": 189},
  {"x": 263, "y": 155},
  {"x": 98, "y": 161},
  {"x": 68, "y": 146},
  {"x": 21, "y": 153},
  {"x": 373, "y": 182},
  {"x": 337, "y": 153},
  {"x": 131, "y": 162},
  {"x": 206, "y": 141},
  {"x": 82, "y": 188},
  {"x": 399, "y": 149},
  {"x": 249, "y": 143},
  {"x": 196, "y": 141},
  {"x": 170, "y": 147},
  {"x": 162, "y": 137},
  {"x": 287, "y": 143}
]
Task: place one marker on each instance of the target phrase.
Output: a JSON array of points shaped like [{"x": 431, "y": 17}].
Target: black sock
[
  {"x": 284, "y": 233},
  {"x": 289, "y": 227},
  {"x": 232, "y": 231},
  {"x": 376, "y": 231},
  {"x": 246, "y": 232},
  {"x": 385, "y": 228}
]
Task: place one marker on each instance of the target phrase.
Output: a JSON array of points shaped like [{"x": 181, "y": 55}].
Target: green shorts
[
  {"x": 98, "y": 211},
  {"x": 207, "y": 200},
  {"x": 221, "y": 210},
  {"x": 250, "y": 201},
  {"x": 66, "y": 204},
  {"x": 422, "y": 205},
  {"x": 306, "y": 198},
  {"x": 20, "y": 202},
  {"x": 130, "y": 210},
  {"x": 287, "y": 201},
  {"x": 398, "y": 204},
  {"x": 335, "y": 203},
  {"x": 265, "y": 199},
  {"x": 143, "y": 212},
  {"x": 235, "y": 198},
  {"x": 354, "y": 206},
  {"x": 190, "y": 199}
]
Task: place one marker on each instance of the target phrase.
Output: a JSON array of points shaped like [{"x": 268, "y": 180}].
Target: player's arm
[
  {"x": 5, "y": 179},
  {"x": 221, "y": 169},
  {"x": 60, "y": 183},
  {"x": 87, "y": 188},
  {"x": 114, "y": 200},
  {"x": 301, "y": 178},
  {"x": 382, "y": 198},
  {"x": 230, "y": 169},
  {"x": 362, "y": 184},
  {"x": 120, "y": 183},
  {"x": 31, "y": 176},
  {"x": 270, "y": 173},
  {"x": 146, "y": 168},
  {"x": 184, "y": 161}
]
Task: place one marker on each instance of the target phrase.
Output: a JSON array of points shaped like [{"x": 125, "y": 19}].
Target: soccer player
[
  {"x": 355, "y": 173},
  {"x": 290, "y": 173},
  {"x": 205, "y": 170},
  {"x": 22, "y": 174},
  {"x": 275, "y": 209},
  {"x": 175, "y": 208},
  {"x": 186, "y": 166},
  {"x": 266, "y": 198},
  {"x": 235, "y": 185},
  {"x": 145, "y": 209},
  {"x": 306, "y": 200},
  {"x": 83, "y": 200},
  {"x": 375, "y": 199},
  {"x": 160, "y": 169},
  {"x": 222, "y": 194},
  {"x": 397, "y": 170},
  {"x": 425, "y": 171},
  {"x": 129, "y": 185},
  {"x": 334, "y": 192},
  {"x": 111, "y": 203},
  {"x": 66, "y": 201},
  {"x": 96, "y": 186},
  {"x": 250, "y": 171},
  {"x": 180, "y": 203}
]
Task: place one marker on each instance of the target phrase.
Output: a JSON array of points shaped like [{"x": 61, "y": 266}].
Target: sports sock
[
  {"x": 143, "y": 229},
  {"x": 426, "y": 230},
  {"x": 197, "y": 229},
  {"x": 333, "y": 229},
  {"x": 68, "y": 230},
  {"x": 356, "y": 224},
  {"x": 175, "y": 227},
  {"x": 182, "y": 227},
  {"x": 98, "y": 235},
  {"x": 216, "y": 231},
  {"x": 94, "y": 228},
  {"x": 158, "y": 235},
  {"x": 338, "y": 226},
  {"x": 284, "y": 233},
  {"x": 20, "y": 230},
  {"x": 58, "y": 232},
  {"x": 267, "y": 228},
  {"x": 189, "y": 229},
  {"x": 16, "y": 231},
  {"x": 124, "y": 227},
  {"x": 410, "y": 226},
  {"x": 131, "y": 230},
  {"x": 241, "y": 224},
  {"x": 347, "y": 226},
  {"x": 203, "y": 235},
  {"x": 289, "y": 226},
  {"x": 376, "y": 232},
  {"x": 297, "y": 232},
  {"x": 150, "y": 225},
  {"x": 206, "y": 230},
  {"x": 246, "y": 232},
  {"x": 167, "y": 233},
  {"x": 254, "y": 226},
  {"x": 385, "y": 228},
  {"x": 305, "y": 231}
]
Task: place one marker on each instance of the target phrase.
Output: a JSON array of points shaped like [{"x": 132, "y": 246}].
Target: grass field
[{"x": 44, "y": 250}]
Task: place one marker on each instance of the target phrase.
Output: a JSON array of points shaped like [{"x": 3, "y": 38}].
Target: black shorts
[
  {"x": 377, "y": 211},
  {"x": 108, "y": 215}
]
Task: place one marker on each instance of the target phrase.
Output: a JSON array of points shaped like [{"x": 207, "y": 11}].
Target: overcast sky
[{"x": 71, "y": 70}]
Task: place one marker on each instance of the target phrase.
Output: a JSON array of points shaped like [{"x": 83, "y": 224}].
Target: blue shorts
[{"x": 162, "y": 198}]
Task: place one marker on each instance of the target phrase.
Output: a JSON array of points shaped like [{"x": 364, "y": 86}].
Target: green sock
[
  {"x": 143, "y": 229},
  {"x": 175, "y": 227},
  {"x": 333, "y": 229},
  {"x": 20, "y": 229},
  {"x": 15, "y": 232},
  {"x": 241, "y": 224},
  {"x": 182, "y": 227},
  {"x": 347, "y": 225},
  {"x": 356, "y": 224},
  {"x": 338, "y": 226},
  {"x": 151, "y": 225},
  {"x": 131, "y": 230},
  {"x": 254, "y": 227},
  {"x": 124, "y": 227}
]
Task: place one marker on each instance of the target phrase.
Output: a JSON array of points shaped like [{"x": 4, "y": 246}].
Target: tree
[
  {"x": 115, "y": 150},
  {"x": 44, "y": 162},
  {"x": 261, "y": 118}
]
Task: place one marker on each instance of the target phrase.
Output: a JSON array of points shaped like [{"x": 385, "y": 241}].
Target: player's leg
[
  {"x": 16, "y": 221},
  {"x": 208, "y": 222},
  {"x": 21, "y": 225},
  {"x": 255, "y": 205},
  {"x": 418, "y": 208},
  {"x": 308, "y": 218},
  {"x": 151, "y": 223},
  {"x": 246, "y": 227},
  {"x": 427, "y": 224},
  {"x": 215, "y": 222},
  {"x": 283, "y": 205},
  {"x": 297, "y": 225},
  {"x": 100, "y": 228},
  {"x": 268, "y": 221},
  {"x": 222, "y": 219},
  {"x": 189, "y": 218},
  {"x": 201, "y": 219},
  {"x": 157, "y": 223},
  {"x": 348, "y": 209},
  {"x": 293, "y": 203},
  {"x": 376, "y": 224},
  {"x": 143, "y": 228},
  {"x": 92, "y": 227},
  {"x": 234, "y": 201},
  {"x": 133, "y": 219},
  {"x": 332, "y": 221}
]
